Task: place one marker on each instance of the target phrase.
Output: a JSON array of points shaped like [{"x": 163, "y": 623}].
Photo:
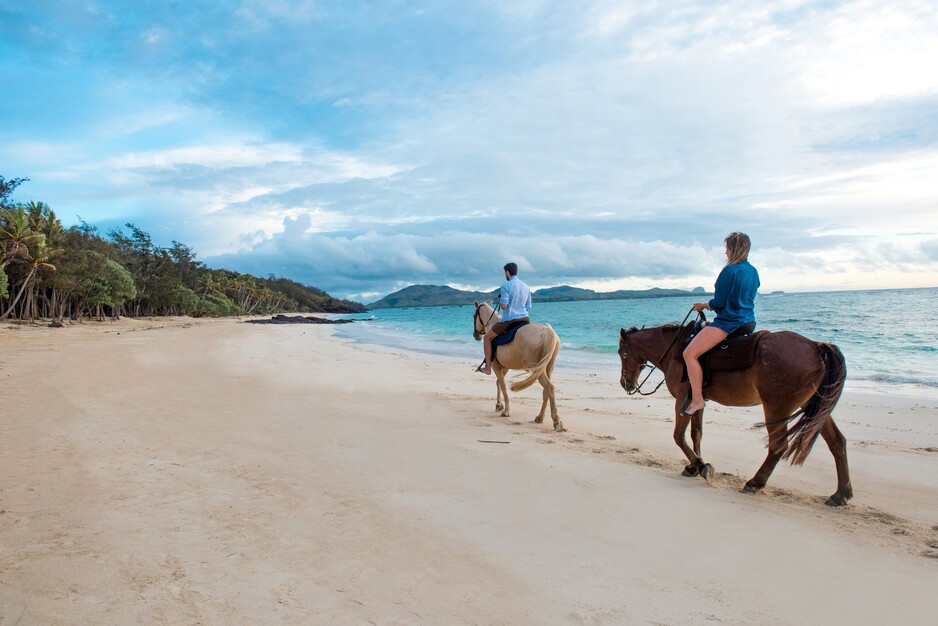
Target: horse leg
[
  {"x": 838, "y": 446},
  {"x": 696, "y": 466},
  {"x": 502, "y": 388},
  {"x": 539, "y": 418},
  {"x": 696, "y": 431},
  {"x": 548, "y": 397},
  {"x": 777, "y": 424},
  {"x": 498, "y": 396}
]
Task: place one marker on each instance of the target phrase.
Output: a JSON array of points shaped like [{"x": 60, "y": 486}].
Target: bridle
[
  {"x": 638, "y": 388},
  {"x": 477, "y": 317}
]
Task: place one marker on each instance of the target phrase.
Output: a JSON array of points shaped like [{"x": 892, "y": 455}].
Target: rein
[{"x": 638, "y": 388}]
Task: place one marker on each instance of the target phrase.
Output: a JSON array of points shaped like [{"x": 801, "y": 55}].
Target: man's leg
[{"x": 487, "y": 346}]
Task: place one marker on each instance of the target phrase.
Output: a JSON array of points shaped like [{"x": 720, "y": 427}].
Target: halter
[
  {"x": 476, "y": 316},
  {"x": 638, "y": 388}
]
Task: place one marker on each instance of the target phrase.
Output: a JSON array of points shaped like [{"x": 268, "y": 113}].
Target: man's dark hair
[{"x": 511, "y": 268}]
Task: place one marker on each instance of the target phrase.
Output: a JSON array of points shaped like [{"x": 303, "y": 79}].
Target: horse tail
[
  {"x": 551, "y": 347},
  {"x": 815, "y": 412}
]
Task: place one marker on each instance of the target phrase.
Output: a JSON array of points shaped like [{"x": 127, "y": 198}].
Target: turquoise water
[{"x": 887, "y": 336}]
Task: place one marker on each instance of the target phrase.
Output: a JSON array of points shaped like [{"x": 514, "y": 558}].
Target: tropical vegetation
[{"x": 56, "y": 273}]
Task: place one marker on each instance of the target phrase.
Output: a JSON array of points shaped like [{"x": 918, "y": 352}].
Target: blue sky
[{"x": 361, "y": 147}]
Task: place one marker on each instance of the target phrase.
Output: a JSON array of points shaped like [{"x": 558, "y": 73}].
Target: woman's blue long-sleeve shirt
[{"x": 734, "y": 296}]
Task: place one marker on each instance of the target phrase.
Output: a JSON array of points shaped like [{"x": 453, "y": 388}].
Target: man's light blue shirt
[{"x": 517, "y": 296}]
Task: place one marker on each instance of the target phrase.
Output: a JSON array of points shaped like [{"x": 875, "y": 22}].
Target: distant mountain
[
  {"x": 570, "y": 294},
  {"x": 430, "y": 295},
  {"x": 441, "y": 295}
]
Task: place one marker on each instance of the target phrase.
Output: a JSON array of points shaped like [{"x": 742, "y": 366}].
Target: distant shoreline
[{"x": 654, "y": 293}]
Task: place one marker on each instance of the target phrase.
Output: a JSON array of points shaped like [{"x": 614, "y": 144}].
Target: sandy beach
[{"x": 180, "y": 471}]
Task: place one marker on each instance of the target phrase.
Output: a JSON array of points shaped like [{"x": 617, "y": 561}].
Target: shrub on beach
[{"x": 216, "y": 306}]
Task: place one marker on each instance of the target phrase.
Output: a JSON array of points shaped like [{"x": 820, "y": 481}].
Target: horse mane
[{"x": 669, "y": 326}]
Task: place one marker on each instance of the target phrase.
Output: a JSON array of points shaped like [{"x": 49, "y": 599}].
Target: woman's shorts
[{"x": 725, "y": 326}]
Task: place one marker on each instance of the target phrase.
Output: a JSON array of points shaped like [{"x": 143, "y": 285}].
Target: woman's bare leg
[{"x": 707, "y": 338}]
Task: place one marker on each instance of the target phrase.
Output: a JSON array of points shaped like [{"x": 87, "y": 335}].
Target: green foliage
[
  {"x": 310, "y": 299},
  {"x": 185, "y": 301},
  {"x": 211, "y": 305},
  {"x": 77, "y": 272},
  {"x": 6, "y": 189},
  {"x": 91, "y": 288},
  {"x": 120, "y": 284}
]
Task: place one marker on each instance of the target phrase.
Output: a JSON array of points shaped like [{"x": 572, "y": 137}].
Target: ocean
[{"x": 886, "y": 335}]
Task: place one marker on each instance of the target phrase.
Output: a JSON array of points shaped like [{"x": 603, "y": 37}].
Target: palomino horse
[
  {"x": 534, "y": 349},
  {"x": 792, "y": 378}
]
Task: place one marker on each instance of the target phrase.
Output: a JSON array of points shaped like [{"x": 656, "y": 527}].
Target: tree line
[{"x": 56, "y": 273}]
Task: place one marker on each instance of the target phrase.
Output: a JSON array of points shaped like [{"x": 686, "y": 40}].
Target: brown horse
[
  {"x": 534, "y": 349},
  {"x": 792, "y": 378}
]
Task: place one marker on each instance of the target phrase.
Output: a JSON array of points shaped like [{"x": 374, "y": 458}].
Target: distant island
[{"x": 441, "y": 295}]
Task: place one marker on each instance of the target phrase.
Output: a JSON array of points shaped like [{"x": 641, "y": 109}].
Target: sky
[{"x": 361, "y": 147}]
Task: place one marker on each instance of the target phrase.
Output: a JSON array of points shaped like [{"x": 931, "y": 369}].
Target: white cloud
[
  {"x": 224, "y": 155},
  {"x": 869, "y": 51}
]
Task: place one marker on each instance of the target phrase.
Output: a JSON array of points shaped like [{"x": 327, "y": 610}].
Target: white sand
[{"x": 182, "y": 471}]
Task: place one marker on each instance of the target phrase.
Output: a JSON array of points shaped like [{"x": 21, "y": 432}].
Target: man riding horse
[{"x": 515, "y": 301}]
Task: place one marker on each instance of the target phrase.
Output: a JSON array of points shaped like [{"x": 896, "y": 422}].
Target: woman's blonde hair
[{"x": 738, "y": 245}]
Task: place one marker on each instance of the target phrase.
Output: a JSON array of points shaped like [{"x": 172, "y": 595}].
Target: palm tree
[
  {"x": 16, "y": 235},
  {"x": 38, "y": 260}
]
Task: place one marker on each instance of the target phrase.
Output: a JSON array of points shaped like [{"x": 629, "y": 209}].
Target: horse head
[
  {"x": 632, "y": 362},
  {"x": 481, "y": 318}
]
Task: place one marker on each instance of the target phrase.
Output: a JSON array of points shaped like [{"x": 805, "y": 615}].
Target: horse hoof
[
  {"x": 749, "y": 488},
  {"x": 539, "y": 419},
  {"x": 499, "y": 407},
  {"x": 505, "y": 413},
  {"x": 690, "y": 471},
  {"x": 558, "y": 427},
  {"x": 836, "y": 500},
  {"x": 707, "y": 473}
]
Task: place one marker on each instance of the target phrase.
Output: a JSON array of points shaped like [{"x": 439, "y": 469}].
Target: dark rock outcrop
[{"x": 299, "y": 319}]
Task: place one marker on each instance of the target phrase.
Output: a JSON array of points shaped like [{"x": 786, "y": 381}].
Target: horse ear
[
  {"x": 477, "y": 304},
  {"x": 622, "y": 333}
]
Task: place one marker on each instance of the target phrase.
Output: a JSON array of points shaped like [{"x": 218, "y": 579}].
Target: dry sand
[{"x": 184, "y": 472}]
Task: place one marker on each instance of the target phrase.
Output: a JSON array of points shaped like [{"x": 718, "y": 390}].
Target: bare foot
[
  {"x": 487, "y": 370},
  {"x": 690, "y": 408}
]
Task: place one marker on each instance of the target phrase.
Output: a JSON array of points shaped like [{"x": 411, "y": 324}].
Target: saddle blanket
[{"x": 508, "y": 335}]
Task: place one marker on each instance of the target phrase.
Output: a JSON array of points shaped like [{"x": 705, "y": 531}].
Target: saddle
[
  {"x": 506, "y": 337},
  {"x": 736, "y": 352}
]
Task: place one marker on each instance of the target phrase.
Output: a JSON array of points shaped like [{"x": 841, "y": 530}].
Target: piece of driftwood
[{"x": 299, "y": 319}]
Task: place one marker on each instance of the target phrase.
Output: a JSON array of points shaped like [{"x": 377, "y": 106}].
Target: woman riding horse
[{"x": 733, "y": 300}]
